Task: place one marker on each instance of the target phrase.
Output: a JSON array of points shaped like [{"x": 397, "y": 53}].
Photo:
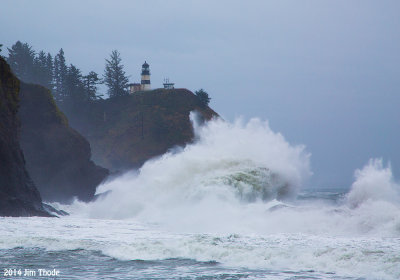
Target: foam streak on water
[{"x": 374, "y": 257}]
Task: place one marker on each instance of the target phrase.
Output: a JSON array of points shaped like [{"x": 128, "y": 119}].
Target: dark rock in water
[
  {"x": 57, "y": 156},
  {"x": 126, "y": 131},
  {"x": 278, "y": 207},
  {"x": 53, "y": 211},
  {"x": 18, "y": 194}
]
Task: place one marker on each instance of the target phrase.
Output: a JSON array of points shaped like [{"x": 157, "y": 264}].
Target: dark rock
[
  {"x": 53, "y": 211},
  {"x": 126, "y": 131},
  {"x": 18, "y": 194},
  {"x": 57, "y": 156}
]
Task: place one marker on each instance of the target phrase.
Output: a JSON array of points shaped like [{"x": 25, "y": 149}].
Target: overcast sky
[{"x": 325, "y": 74}]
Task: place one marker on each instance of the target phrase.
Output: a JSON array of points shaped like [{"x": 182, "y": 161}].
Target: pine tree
[
  {"x": 203, "y": 97},
  {"x": 90, "y": 83},
  {"x": 56, "y": 80},
  {"x": 39, "y": 66},
  {"x": 74, "y": 90},
  {"x": 114, "y": 76},
  {"x": 60, "y": 74},
  {"x": 21, "y": 60},
  {"x": 49, "y": 72}
]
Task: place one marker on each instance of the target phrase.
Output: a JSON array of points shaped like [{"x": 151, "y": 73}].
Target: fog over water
[{"x": 325, "y": 74}]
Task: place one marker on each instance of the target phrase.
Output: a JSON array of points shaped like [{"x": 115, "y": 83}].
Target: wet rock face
[
  {"x": 57, "y": 156},
  {"x": 18, "y": 194},
  {"x": 126, "y": 131}
]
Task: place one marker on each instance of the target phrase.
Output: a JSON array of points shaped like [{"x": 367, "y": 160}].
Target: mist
[
  {"x": 324, "y": 74},
  {"x": 219, "y": 186}
]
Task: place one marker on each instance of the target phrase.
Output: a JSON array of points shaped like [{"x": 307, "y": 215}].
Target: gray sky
[{"x": 324, "y": 73}]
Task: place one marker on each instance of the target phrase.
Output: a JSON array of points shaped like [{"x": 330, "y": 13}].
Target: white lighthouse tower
[{"x": 145, "y": 77}]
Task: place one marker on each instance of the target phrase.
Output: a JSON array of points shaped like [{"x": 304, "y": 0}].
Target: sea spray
[
  {"x": 235, "y": 179},
  {"x": 374, "y": 198},
  {"x": 373, "y": 183},
  {"x": 211, "y": 181},
  {"x": 191, "y": 211}
]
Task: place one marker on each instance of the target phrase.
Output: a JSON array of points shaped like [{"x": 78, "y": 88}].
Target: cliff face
[
  {"x": 18, "y": 194},
  {"x": 57, "y": 157},
  {"x": 126, "y": 131}
]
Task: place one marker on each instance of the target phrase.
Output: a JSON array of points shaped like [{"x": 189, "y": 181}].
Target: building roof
[{"x": 145, "y": 65}]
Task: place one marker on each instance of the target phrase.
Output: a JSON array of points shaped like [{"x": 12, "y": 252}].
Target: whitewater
[{"x": 232, "y": 205}]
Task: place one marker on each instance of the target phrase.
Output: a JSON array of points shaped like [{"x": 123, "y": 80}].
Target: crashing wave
[
  {"x": 256, "y": 183},
  {"x": 227, "y": 164}
]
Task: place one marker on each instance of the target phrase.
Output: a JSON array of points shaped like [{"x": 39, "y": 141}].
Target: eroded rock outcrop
[
  {"x": 126, "y": 131},
  {"x": 18, "y": 194},
  {"x": 57, "y": 156}
]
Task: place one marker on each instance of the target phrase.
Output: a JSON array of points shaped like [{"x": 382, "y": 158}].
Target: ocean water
[{"x": 231, "y": 206}]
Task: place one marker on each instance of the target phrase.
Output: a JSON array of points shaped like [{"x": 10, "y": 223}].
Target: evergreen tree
[
  {"x": 74, "y": 90},
  {"x": 49, "y": 71},
  {"x": 56, "y": 80},
  {"x": 90, "y": 83},
  {"x": 114, "y": 76},
  {"x": 21, "y": 60},
  {"x": 42, "y": 75},
  {"x": 203, "y": 97},
  {"x": 1, "y": 46},
  {"x": 60, "y": 75}
]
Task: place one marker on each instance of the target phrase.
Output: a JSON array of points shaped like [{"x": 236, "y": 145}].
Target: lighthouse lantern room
[{"x": 145, "y": 76}]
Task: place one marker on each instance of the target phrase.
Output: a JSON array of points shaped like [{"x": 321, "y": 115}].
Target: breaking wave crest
[
  {"x": 244, "y": 178},
  {"x": 228, "y": 167},
  {"x": 230, "y": 198},
  {"x": 373, "y": 183}
]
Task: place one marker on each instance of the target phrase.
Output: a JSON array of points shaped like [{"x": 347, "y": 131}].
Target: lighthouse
[{"x": 145, "y": 76}]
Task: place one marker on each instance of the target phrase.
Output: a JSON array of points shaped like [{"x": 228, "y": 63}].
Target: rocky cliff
[
  {"x": 126, "y": 131},
  {"x": 57, "y": 156},
  {"x": 18, "y": 194}
]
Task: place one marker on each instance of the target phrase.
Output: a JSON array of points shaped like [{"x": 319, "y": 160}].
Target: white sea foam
[
  {"x": 230, "y": 181},
  {"x": 220, "y": 199},
  {"x": 374, "y": 183},
  {"x": 372, "y": 258},
  {"x": 221, "y": 181}
]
